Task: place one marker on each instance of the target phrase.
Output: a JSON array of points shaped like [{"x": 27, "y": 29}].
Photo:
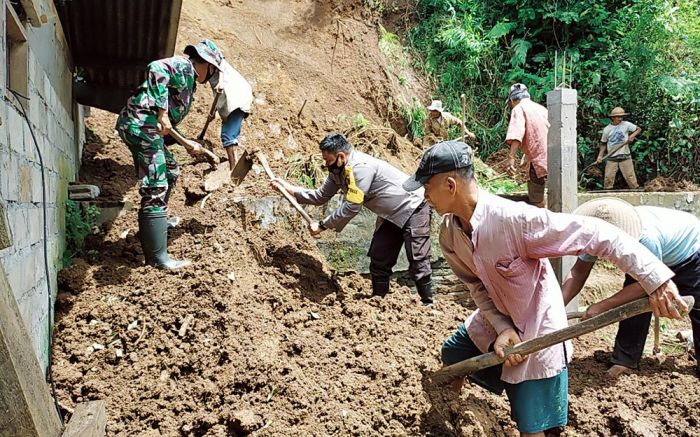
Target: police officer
[{"x": 404, "y": 218}]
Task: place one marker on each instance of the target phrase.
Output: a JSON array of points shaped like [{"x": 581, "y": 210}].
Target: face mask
[{"x": 335, "y": 168}]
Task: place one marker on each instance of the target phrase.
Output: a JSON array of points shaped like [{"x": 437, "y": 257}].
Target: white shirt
[{"x": 237, "y": 92}]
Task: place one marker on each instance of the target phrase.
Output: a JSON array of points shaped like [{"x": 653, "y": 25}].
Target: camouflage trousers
[{"x": 156, "y": 167}]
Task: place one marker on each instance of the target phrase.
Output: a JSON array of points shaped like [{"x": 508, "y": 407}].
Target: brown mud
[{"x": 259, "y": 337}]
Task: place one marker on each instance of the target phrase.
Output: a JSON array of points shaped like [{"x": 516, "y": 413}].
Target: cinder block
[
  {"x": 16, "y": 275},
  {"x": 15, "y": 130},
  {"x": 35, "y": 222},
  {"x": 25, "y": 182},
  {"x": 18, "y": 225},
  {"x": 51, "y": 182},
  {"x": 11, "y": 163},
  {"x": 33, "y": 307},
  {"x": 31, "y": 64},
  {"x": 47, "y": 89},
  {"x": 50, "y": 126},
  {"x": 37, "y": 184},
  {"x": 5, "y": 174}
]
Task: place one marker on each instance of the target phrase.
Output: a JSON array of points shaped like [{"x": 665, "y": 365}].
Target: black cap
[{"x": 440, "y": 158}]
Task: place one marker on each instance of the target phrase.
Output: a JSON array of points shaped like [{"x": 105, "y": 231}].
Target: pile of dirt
[
  {"x": 499, "y": 163},
  {"x": 662, "y": 183},
  {"x": 259, "y": 336}
]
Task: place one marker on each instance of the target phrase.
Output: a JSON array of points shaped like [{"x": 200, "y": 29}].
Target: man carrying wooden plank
[
  {"x": 674, "y": 237},
  {"x": 403, "y": 218},
  {"x": 499, "y": 249}
]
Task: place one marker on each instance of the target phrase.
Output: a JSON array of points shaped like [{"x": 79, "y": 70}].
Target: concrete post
[{"x": 562, "y": 177}]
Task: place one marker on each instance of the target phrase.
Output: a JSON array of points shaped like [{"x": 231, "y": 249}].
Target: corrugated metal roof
[{"x": 112, "y": 41}]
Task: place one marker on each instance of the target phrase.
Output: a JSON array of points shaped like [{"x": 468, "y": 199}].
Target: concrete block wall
[{"x": 57, "y": 124}]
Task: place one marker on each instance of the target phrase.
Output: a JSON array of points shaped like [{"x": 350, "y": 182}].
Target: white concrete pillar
[{"x": 562, "y": 173}]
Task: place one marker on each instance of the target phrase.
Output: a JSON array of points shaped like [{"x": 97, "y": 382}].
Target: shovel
[
  {"x": 466, "y": 367},
  {"x": 243, "y": 166},
  {"x": 210, "y": 116},
  {"x": 607, "y": 155}
]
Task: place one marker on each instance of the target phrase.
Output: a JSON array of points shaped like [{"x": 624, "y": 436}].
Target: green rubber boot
[
  {"x": 153, "y": 232},
  {"x": 174, "y": 220}
]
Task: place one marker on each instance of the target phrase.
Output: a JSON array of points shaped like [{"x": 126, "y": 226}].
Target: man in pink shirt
[
  {"x": 499, "y": 249},
  {"x": 527, "y": 130}
]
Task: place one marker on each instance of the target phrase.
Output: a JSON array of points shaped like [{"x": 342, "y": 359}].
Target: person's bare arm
[
  {"x": 633, "y": 135},
  {"x": 576, "y": 279},
  {"x": 601, "y": 153},
  {"x": 514, "y": 146},
  {"x": 628, "y": 294}
]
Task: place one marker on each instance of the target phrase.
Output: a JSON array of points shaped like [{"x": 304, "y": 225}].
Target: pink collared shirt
[
  {"x": 529, "y": 125},
  {"x": 505, "y": 266}
]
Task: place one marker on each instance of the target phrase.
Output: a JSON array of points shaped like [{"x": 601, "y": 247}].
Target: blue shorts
[
  {"x": 536, "y": 405},
  {"x": 231, "y": 128}
]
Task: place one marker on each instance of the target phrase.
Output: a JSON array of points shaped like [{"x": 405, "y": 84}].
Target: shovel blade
[{"x": 243, "y": 166}]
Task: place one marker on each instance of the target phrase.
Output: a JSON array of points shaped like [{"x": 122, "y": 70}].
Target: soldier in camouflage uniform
[{"x": 159, "y": 104}]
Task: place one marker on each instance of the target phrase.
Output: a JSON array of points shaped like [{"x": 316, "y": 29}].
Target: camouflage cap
[{"x": 208, "y": 51}]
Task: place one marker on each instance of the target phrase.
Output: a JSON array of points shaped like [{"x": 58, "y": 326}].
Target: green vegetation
[
  {"x": 343, "y": 256},
  {"x": 494, "y": 182},
  {"x": 641, "y": 55},
  {"x": 359, "y": 122},
  {"x": 415, "y": 115},
  {"x": 79, "y": 224},
  {"x": 307, "y": 170}
]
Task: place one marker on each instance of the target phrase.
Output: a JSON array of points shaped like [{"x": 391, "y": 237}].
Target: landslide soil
[{"x": 259, "y": 337}]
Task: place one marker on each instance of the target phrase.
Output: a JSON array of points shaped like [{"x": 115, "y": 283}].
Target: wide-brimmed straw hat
[
  {"x": 618, "y": 112},
  {"x": 614, "y": 211},
  {"x": 436, "y": 105}
]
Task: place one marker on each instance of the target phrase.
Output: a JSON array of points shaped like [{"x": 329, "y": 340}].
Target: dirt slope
[{"x": 259, "y": 337}]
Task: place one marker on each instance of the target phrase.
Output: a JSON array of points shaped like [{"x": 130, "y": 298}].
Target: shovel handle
[
  {"x": 263, "y": 161},
  {"x": 210, "y": 116},
  {"x": 211, "y": 156},
  {"x": 466, "y": 367}
]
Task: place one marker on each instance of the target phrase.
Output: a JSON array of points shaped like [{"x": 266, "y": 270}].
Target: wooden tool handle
[
  {"x": 210, "y": 116},
  {"x": 466, "y": 367},
  {"x": 211, "y": 156},
  {"x": 263, "y": 161}
]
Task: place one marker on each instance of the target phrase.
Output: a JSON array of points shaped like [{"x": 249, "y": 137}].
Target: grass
[
  {"x": 415, "y": 114},
  {"x": 306, "y": 170}
]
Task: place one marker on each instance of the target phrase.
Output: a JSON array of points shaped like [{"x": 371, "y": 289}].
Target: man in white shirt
[
  {"x": 234, "y": 104},
  {"x": 617, "y": 136}
]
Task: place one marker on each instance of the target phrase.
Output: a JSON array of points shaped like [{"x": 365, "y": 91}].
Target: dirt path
[{"x": 259, "y": 337}]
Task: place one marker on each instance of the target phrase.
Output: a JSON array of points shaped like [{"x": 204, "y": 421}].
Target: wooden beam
[
  {"x": 88, "y": 420},
  {"x": 26, "y": 407}
]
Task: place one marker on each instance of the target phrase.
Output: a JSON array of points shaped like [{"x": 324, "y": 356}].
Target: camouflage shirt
[{"x": 170, "y": 85}]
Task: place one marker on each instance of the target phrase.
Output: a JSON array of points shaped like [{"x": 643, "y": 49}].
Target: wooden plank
[
  {"x": 631, "y": 309},
  {"x": 26, "y": 407},
  {"x": 88, "y": 420}
]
